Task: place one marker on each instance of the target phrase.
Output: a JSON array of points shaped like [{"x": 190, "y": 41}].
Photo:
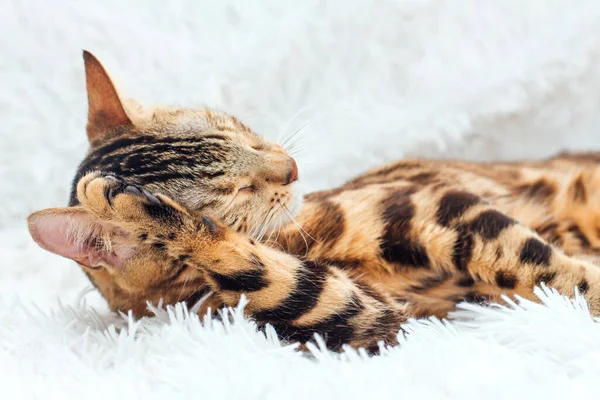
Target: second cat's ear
[{"x": 106, "y": 112}]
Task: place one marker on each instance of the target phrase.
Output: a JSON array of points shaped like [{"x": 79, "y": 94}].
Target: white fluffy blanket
[{"x": 367, "y": 82}]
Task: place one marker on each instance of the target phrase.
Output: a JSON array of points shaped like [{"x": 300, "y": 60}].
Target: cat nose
[{"x": 293, "y": 174}]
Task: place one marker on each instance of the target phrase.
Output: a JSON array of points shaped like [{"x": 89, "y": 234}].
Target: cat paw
[{"x": 113, "y": 199}]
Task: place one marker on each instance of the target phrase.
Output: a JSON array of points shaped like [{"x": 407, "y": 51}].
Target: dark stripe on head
[
  {"x": 536, "y": 252},
  {"x": 151, "y": 158}
]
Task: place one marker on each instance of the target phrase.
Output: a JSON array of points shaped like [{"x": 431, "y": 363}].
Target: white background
[{"x": 374, "y": 80}]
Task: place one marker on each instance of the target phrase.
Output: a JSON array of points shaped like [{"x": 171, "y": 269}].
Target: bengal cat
[{"x": 412, "y": 238}]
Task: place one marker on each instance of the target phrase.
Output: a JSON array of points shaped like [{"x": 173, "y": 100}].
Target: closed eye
[{"x": 247, "y": 188}]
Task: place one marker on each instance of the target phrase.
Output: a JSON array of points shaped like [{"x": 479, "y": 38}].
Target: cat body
[{"x": 409, "y": 239}]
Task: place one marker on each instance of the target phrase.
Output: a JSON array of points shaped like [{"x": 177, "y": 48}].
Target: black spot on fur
[
  {"x": 579, "y": 191},
  {"x": 506, "y": 280},
  {"x": 489, "y": 224},
  {"x": 172, "y": 236},
  {"x": 546, "y": 277},
  {"x": 303, "y": 298},
  {"x": 463, "y": 248},
  {"x": 475, "y": 297},
  {"x": 396, "y": 244},
  {"x": 159, "y": 245},
  {"x": 246, "y": 281},
  {"x": 143, "y": 236},
  {"x": 583, "y": 286},
  {"x": 453, "y": 205},
  {"x": 539, "y": 190},
  {"x": 466, "y": 281},
  {"x": 535, "y": 252}
]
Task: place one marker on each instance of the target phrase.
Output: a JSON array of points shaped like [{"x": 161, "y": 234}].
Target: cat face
[{"x": 204, "y": 159}]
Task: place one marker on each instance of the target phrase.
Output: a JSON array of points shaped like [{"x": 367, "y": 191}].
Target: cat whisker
[
  {"x": 301, "y": 231},
  {"x": 293, "y": 220},
  {"x": 297, "y": 131},
  {"x": 256, "y": 231},
  {"x": 266, "y": 224},
  {"x": 185, "y": 282},
  {"x": 313, "y": 119},
  {"x": 289, "y": 122}
]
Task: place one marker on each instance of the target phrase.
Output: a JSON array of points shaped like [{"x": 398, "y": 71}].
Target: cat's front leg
[{"x": 299, "y": 298}]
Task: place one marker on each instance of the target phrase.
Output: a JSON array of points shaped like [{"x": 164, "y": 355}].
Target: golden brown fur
[{"x": 412, "y": 238}]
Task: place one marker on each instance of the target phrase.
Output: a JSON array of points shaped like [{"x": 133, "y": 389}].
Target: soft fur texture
[{"x": 422, "y": 78}]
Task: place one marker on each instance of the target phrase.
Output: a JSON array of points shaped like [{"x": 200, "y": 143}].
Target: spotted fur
[{"x": 185, "y": 204}]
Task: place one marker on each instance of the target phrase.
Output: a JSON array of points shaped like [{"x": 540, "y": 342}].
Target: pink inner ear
[{"x": 54, "y": 230}]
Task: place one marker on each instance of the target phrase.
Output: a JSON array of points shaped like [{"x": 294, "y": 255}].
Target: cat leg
[
  {"x": 298, "y": 297},
  {"x": 495, "y": 249}
]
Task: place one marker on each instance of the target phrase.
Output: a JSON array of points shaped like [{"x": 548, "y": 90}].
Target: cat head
[{"x": 205, "y": 159}]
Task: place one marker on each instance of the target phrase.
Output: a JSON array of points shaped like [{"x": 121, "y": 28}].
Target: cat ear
[
  {"x": 105, "y": 108},
  {"x": 73, "y": 233}
]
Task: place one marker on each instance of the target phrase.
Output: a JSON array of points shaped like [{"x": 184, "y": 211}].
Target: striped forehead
[{"x": 153, "y": 159}]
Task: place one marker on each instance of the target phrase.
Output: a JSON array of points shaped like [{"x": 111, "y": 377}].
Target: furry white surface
[{"x": 370, "y": 82}]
